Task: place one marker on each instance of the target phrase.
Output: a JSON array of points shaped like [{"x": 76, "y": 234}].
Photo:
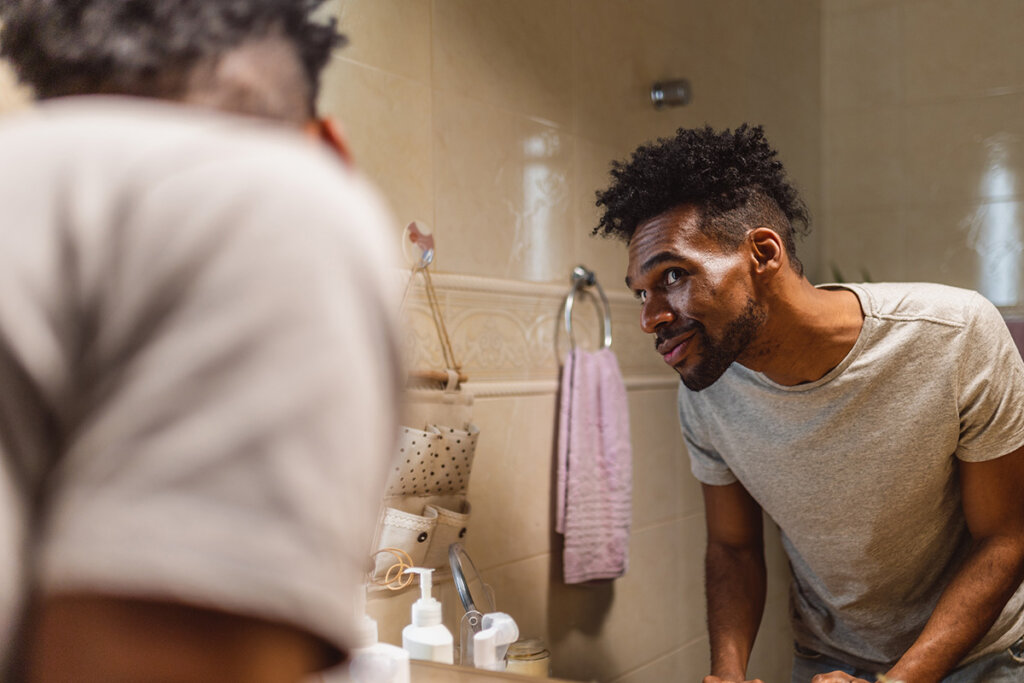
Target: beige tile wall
[
  {"x": 495, "y": 122},
  {"x": 924, "y": 142}
]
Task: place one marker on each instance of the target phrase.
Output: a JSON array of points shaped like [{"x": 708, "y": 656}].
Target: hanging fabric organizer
[{"x": 425, "y": 506}]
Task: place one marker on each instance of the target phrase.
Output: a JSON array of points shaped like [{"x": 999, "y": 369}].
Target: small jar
[{"x": 528, "y": 657}]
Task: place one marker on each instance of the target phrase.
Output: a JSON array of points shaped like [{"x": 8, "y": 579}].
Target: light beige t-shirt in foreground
[{"x": 198, "y": 376}]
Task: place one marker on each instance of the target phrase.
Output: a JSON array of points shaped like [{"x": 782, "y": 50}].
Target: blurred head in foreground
[{"x": 256, "y": 57}]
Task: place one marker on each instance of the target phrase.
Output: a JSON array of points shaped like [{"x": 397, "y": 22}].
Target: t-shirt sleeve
[
  {"x": 705, "y": 463},
  {"x": 991, "y": 387},
  {"x": 232, "y": 420}
]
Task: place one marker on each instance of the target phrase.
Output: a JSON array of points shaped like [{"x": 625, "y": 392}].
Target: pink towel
[{"x": 593, "y": 491}]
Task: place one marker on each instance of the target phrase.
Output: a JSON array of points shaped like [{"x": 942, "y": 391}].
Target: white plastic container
[
  {"x": 485, "y": 651},
  {"x": 426, "y": 637},
  {"x": 375, "y": 662},
  {"x": 490, "y": 644},
  {"x": 372, "y": 661}
]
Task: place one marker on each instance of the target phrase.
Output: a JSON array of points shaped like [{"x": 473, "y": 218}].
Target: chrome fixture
[
  {"x": 582, "y": 280},
  {"x": 671, "y": 93}
]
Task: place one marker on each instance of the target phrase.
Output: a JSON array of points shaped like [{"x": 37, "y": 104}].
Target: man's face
[{"x": 696, "y": 296}]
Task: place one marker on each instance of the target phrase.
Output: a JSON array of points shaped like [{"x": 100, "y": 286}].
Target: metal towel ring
[{"x": 581, "y": 279}]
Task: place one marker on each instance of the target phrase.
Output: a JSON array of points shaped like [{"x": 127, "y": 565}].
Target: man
[
  {"x": 197, "y": 352},
  {"x": 881, "y": 426}
]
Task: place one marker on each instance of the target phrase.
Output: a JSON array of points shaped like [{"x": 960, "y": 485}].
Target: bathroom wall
[
  {"x": 923, "y": 144},
  {"x": 495, "y": 122}
]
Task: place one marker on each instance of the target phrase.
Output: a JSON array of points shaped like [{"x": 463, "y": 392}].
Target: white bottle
[
  {"x": 373, "y": 661},
  {"x": 426, "y": 637}
]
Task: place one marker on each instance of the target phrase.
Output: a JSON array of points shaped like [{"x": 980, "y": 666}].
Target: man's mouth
[{"x": 673, "y": 350}]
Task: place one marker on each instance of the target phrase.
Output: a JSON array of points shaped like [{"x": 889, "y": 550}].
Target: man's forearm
[
  {"x": 735, "y": 584},
  {"x": 97, "y": 639},
  {"x": 965, "y": 612}
]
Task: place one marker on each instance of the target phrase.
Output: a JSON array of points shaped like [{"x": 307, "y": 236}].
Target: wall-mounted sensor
[{"x": 671, "y": 93}]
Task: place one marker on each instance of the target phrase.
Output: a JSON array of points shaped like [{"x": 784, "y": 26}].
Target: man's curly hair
[
  {"x": 732, "y": 178},
  {"x": 148, "y": 47}
]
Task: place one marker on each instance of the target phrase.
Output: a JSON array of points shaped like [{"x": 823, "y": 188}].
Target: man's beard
[{"x": 716, "y": 355}]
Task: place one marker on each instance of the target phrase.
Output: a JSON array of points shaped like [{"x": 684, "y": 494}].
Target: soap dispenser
[
  {"x": 373, "y": 661},
  {"x": 426, "y": 637}
]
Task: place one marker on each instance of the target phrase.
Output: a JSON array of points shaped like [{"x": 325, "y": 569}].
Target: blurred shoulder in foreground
[{"x": 197, "y": 347}]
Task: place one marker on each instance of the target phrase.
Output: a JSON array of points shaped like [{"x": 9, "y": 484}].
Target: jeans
[{"x": 1006, "y": 666}]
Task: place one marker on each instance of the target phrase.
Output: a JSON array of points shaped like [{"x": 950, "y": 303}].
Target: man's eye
[
  {"x": 642, "y": 296},
  {"x": 673, "y": 275}
]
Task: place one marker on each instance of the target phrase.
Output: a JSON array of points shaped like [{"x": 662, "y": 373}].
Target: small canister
[{"x": 528, "y": 657}]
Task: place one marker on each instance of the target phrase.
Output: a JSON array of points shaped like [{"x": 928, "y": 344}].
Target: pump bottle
[
  {"x": 374, "y": 662},
  {"x": 426, "y": 637}
]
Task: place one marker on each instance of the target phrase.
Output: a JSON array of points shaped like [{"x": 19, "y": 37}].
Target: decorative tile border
[{"x": 509, "y": 335}]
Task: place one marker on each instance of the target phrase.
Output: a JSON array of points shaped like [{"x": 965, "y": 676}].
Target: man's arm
[
  {"x": 735, "y": 578},
  {"x": 96, "y": 639},
  {"x": 970, "y": 604}
]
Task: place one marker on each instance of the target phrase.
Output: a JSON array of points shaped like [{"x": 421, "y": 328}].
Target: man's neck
[{"x": 809, "y": 331}]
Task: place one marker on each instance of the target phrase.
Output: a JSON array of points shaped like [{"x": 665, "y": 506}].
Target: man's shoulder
[
  {"x": 112, "y": 131},
  {"x": 89, "y": 116},
  {"x": 919, "y": 301},
  {"x": 186, "y": 173},
  {"x": 140, "y": 148}
]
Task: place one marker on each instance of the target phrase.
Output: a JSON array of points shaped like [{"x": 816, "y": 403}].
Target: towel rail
[{"x": 582, "y": 278}]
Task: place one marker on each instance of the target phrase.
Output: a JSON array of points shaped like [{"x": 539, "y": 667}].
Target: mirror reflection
[
  {"x": 489, "y": 128},
  {"x": 895, "y": 121}
]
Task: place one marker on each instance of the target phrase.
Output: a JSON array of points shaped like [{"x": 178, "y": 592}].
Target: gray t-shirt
[
  {"x": 198, "y": 382},
  {"x": 858, "y": 470}
]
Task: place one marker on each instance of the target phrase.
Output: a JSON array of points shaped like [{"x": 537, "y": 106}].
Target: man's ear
[
  {"x": 766, "y": 249},
  {"x": 330, "y": 132}
]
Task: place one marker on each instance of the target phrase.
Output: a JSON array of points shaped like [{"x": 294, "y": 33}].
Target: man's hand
[
  {"x": 717, "y": 679},
  {"x": 837, "y": 677}
]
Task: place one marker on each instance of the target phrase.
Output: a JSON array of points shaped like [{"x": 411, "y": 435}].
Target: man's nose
[{"x": 655, "y": 312}]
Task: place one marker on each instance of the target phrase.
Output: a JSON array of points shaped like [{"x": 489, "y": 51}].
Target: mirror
[
  {"x": 476, "y": 597},
  {"x": 497, "y": 121}
]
